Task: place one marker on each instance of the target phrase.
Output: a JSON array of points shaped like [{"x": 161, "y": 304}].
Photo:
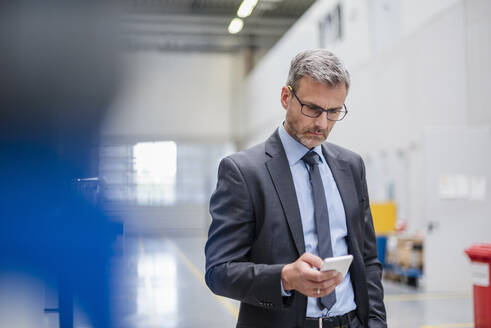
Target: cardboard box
[{"x": 408, "y": 253}]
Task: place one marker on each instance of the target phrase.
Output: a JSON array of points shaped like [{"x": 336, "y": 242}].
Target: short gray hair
[{"x": 319, "y": 64}]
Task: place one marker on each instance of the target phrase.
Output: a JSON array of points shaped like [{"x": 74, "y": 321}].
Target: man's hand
[{"x": 301, "y": 276}]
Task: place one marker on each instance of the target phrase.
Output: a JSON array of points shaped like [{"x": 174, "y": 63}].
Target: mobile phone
[{"x": 340, "y": 263}]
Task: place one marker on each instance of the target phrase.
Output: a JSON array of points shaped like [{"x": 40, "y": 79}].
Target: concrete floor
[
  {"x": 163, "y": 286},
  {"x": 159, "y": 283}
]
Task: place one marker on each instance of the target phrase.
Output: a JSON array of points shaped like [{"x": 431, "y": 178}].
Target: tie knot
[{"x": 311, "y": 158}]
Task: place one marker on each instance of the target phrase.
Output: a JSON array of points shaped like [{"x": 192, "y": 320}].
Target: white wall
[
  {"x": 185, "y": 97},
  {"x": 396, "y": 80},
  {"x": 478, "y": 54},
  {"x": 414, "y": 64},
  {"x": 457, "y": 208},
  {"x": 398, "y": 87},
  {"x": 417, "y": 13},
  {"x": 178, "y": 96}
]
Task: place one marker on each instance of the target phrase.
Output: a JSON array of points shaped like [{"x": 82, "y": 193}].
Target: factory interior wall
[
  {"x": 415, "y": 66},
  {"x": 189, "y": 98},
  {"x": 176, "y": 96}
]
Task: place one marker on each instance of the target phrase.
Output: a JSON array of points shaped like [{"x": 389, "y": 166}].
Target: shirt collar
[{"x": 295, "y": 150}]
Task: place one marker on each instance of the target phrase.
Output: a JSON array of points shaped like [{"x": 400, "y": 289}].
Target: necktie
[{"x": 321, "y": 217}]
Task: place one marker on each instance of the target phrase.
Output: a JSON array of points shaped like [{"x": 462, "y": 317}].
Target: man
[{"x": 283, "y": 206}]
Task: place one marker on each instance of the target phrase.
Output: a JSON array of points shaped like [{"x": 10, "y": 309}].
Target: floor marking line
[
  {"x": 229, "y": 306},
  {"x": 425, "y": 296},
  {"x": 450, "y": 325}
]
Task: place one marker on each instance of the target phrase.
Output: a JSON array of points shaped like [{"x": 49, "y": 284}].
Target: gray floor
[{"x": 162, "y": 286}]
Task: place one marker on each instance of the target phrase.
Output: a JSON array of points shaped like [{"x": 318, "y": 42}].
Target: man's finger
[
  {"x": 314, "y": 276},
  {"x": 312, "y": 292},
  {"x": 320, "y": 276},
  {"x": 322, "y": 285},
  {"x": 328, "y": 284},
  {"x": 312, "y": 260},
  {"x": 314, "y": 285},
  {"x": 329, "y": 274}
]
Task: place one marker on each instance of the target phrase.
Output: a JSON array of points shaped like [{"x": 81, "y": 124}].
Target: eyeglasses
[{"x": 313, "y": 111}]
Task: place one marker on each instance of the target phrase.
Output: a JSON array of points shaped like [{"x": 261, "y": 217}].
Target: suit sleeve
[
  {"x": 229, "y": 272},
  {"x": 376, "y": 311}
]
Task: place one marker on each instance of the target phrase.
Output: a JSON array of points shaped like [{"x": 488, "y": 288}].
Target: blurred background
[{"x": 177, "y": 86}]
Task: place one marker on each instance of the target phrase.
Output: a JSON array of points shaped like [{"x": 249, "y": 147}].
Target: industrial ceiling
[{"x": 201, "y": 25}]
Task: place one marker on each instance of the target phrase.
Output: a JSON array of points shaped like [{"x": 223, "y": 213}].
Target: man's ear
[{"x": 285, "y": 96}]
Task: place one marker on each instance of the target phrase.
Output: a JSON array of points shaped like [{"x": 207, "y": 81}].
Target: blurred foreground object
[{"x": 58, "y": 73}]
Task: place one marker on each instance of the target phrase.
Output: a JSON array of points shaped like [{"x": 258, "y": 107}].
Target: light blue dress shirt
[{"x": 345, "y": 299}]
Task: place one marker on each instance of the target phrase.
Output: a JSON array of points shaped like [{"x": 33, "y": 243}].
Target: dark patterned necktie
[{"x": 321, "y": 218}]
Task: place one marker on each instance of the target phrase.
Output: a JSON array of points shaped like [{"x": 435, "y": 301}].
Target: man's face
[{"x": 311, "y": 132}]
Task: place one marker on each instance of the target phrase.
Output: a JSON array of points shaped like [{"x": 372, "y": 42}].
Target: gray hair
[{"x": 319, "y": 64}]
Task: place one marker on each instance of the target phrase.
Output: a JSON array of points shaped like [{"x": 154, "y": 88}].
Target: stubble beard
[{"x": 302, "y": 135}]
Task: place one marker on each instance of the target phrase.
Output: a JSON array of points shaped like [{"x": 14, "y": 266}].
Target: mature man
[{"x": 284, "y": 205}]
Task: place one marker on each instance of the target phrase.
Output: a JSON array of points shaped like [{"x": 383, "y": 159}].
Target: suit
[{"x": 257, "y": 229}]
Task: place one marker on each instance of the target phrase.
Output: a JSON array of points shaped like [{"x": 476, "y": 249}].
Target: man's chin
[{"x": 311, "y": 142}]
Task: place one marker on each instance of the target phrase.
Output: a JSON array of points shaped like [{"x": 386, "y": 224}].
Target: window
[
  {"x": 331, "y": 27},
  {"x": 154, "y": 172},
  {"x": 161, "y": 173}
]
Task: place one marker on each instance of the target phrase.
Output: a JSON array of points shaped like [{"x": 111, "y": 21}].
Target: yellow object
[{"x": 384, "y": 217}]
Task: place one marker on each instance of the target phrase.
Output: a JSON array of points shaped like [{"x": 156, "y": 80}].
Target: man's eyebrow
[{"x": 317, "y": 106}]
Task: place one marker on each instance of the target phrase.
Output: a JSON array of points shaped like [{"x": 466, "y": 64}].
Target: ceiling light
[
  {"x": 235, "y": 25},
  {"x": 246, "y": 8}
]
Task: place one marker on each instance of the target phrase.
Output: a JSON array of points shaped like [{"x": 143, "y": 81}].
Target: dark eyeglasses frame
[{"x": 319, "y": 109}]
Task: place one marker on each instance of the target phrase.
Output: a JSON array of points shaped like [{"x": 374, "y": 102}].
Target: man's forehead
[{"x": 307, "y": 81}]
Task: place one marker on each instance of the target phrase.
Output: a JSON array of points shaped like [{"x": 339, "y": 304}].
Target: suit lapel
[
  {"x": 279, "y": 170},
  {"x": 347, "y": 189},
  {"x": 346, "y": 186}
]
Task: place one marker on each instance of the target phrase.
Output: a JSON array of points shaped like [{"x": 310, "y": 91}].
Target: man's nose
[{"x": 322, "y": 122}]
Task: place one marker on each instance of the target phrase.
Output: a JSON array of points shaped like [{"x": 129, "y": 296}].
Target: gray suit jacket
[{"x": 257, "y": 229}]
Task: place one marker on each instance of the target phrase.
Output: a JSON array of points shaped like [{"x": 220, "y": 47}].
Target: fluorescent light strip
[
  {"x": 235, "y": 26},
  {"x": 246, "y": 8}
]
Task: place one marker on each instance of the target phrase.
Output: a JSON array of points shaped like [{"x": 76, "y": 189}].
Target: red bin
[{"x": 480, "y": 256}]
